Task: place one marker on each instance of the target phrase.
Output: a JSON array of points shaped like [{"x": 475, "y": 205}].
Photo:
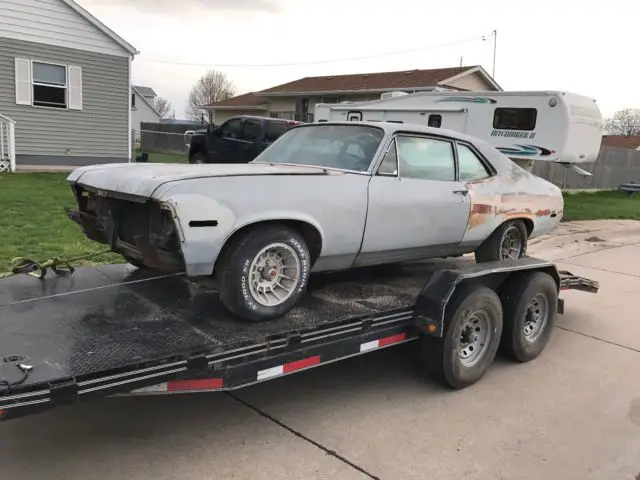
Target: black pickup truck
[{"x": 238, "y": 140}]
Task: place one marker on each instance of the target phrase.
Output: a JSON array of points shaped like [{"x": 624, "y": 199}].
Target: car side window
[
  {"x": 469, "y": 165},
  {"x": 273, "y": 130},
  {"x": 389, "y": 164},
  {"x": 251, "y": 130},
  {"x": 426, "y": 158},
  {"x": 231, "y": 128}
]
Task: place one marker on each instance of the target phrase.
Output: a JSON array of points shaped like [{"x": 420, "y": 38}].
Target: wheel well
[
  {"x": 528, "y": 223},
  {"x": 309, "y": 232}
]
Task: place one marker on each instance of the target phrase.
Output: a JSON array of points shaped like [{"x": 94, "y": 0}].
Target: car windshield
[{"x": 346, "y": 147}]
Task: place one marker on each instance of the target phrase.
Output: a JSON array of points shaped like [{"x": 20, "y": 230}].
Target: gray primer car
[{"x": 323, "y": 197}]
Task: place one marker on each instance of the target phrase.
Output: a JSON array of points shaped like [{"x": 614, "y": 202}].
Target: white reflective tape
[
  {"x": 369, "y": 345},
  {"x": 270, "y": 372},
  {"x": 161, "y": 387}
]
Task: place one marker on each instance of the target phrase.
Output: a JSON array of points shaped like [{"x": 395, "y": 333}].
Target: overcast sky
[{"x": 586, "y": 46}]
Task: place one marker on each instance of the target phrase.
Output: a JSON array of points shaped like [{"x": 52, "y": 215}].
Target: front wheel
[
  {"x": 473, "y": 326},
  {"x": 264, "y": 272}
]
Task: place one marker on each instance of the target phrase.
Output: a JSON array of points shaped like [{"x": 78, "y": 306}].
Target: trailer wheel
[
  {"x": 508, "y": 241},
  {"x": 197, "y": 158},
  {"x": 530, "y": 303},
  {"x": 264, "y": 272},
  {"x": 473, "y": 325}
]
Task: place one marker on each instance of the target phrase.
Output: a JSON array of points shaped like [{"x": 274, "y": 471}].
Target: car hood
[{"x": 142, "y": 179}]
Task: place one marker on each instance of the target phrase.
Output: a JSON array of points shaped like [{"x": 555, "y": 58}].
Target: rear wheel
[
  {"x": 473, "y": 325},
  {"x": 507, "y": 242},
  {"x": 530, "y": 303},
  {"x": 264, "y": 272},
  {"x": 197, "y": 158}
]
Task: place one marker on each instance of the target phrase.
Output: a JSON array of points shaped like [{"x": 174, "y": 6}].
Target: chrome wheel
[
  {"x": 474, "y": 338},
  {"x": 536, "y": 318},
  {"x": 274, "y": 274},
  {"x": 511, "y": 245}
]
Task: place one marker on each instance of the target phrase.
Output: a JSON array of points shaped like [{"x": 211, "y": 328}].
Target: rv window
[
  {"x": 425, "y": 158},
  {"x": 470, "y": 167},
  {"x": 515, "y": 118},
  {"x": 434, "y": 121}
]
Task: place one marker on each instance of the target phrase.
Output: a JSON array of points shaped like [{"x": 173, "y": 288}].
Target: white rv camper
[{"x": 549, "y": 126}]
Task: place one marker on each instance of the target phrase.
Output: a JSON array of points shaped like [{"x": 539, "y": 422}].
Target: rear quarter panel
[
  {"x": 335, "y": 204},
  {"x": 512, "y": 194}
]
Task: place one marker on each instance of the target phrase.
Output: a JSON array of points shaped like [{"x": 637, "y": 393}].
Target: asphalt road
[{"x": 573, "y": 413}]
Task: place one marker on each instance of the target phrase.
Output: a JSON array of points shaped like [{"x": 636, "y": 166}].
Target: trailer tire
[
  {"x": 530, "y": 303},
  {"x": 493, "y": 248},
  {"x": 249, "y": 258},
  {"x": 197, "y": 158},
  {"x": 472, "y": 329}
]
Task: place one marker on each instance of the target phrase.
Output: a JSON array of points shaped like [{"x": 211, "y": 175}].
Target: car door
[
  {"x": 417, "y": 208},
  {"x": 249, "y": 140},
  {"x": 224, "y": 146}
]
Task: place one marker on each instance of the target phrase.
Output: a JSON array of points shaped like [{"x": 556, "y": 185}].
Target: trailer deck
[{"x": 115, "y": 329}]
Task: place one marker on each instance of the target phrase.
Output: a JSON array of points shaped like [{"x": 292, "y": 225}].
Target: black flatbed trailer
[{"x": 115, "y": 330}]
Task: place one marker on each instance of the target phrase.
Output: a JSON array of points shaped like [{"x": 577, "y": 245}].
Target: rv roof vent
[{"x": 393, "y": 94}]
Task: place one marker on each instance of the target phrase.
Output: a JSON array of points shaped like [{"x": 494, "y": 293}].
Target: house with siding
[
  {"x": 297, "y": 100},
  {"x": 65, "y": 84},
  {"x": 142, "y": 108}
]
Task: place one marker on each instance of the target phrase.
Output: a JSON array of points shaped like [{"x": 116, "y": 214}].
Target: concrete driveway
[{"x": 573, "y": 413}]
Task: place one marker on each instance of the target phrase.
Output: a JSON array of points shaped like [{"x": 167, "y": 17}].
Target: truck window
[
  {"x": 515, "y": 118},
  {"x": 274, "y": 129},
  {"x": 470, "y": 167},
  {"x": 231, "y": 128},
  {"x": 251, "y": 130}
]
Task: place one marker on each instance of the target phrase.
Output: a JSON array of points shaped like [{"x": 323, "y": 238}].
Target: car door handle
[{"x": 461, "y": 192}]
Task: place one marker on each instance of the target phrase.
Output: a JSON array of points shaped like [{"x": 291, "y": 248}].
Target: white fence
[{"x": 7, "y": 144}]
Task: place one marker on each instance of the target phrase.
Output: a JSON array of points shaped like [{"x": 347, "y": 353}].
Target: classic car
[{"x": 323, "y": 197}]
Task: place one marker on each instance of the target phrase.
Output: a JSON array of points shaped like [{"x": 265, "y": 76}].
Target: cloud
[{"x": 173, "y": 7}]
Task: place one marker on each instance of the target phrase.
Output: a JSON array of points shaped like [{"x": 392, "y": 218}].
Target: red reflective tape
[
  {"x": 201, "y": 384},
  {"x": 304, "y": 363},
  {"x": 383, "y": 342}
]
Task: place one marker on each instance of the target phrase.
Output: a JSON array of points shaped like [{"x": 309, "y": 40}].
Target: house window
[
  {"x": 49, "y": 85},
  {"x": 133, "y": 100}
]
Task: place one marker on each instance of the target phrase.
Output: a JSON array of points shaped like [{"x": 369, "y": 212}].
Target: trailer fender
[{"x": 432, "y": 301}]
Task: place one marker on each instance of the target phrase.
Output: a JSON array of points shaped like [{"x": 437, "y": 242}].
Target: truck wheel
[
  {"x": 530, "y": 303},
  {"x": 197, "y": 158},
  {"x": 473, "y": 325},
  {"x": 508, "y": 241},
  {"x": 264, "y": 272}
]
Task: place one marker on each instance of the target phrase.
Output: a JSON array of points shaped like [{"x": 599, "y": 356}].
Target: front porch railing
[{"x": 7, "y": 144}]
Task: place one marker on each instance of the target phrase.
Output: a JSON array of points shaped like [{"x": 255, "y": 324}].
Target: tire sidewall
[
  {"x": 258, "y": 241},
  {"x": 458, "y": 375},
  {"x": 522, "y": 349}
]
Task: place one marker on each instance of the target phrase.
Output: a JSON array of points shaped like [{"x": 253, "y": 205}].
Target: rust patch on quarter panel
[{"x": 508, "y": 196}]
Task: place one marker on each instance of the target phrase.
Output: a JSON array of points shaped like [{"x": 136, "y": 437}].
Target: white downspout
[{"x": 129, "y": 113}]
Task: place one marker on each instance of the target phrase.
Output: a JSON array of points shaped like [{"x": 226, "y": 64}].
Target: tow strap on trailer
[{"x": 61, "y": 267}]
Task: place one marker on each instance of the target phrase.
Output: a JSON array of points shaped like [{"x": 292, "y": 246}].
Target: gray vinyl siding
[{"x": 100, "y": 129}]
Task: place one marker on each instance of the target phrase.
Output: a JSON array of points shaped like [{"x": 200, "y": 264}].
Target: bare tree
[
  {"x": 624, "y": 122},
  {"x": 212, "y": 87},
  {"x": 162, "y": 106}
]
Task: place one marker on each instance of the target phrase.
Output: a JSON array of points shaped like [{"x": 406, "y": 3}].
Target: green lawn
[
  {"x": 34, "y": 224},
  {"x": 601, "y": 205}
]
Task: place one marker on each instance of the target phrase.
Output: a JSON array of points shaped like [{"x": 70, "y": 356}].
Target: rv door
[{"x": 456, "y": 121}]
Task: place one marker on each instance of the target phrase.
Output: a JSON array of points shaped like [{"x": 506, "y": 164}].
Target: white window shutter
[
  {"x": 23, "y": 81},
  {"x": 75, "y": 88}
]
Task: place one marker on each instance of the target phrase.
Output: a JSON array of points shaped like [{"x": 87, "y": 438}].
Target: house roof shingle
[
  {"x": 368, "y": 81},
  {"x": 146, "y": 91},
  {"x": 353, "y": 82}
]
